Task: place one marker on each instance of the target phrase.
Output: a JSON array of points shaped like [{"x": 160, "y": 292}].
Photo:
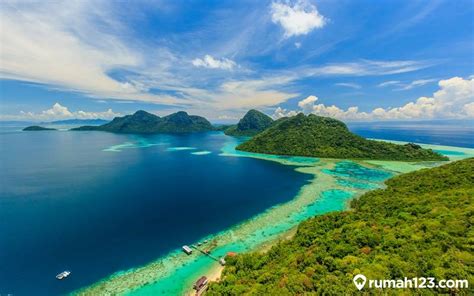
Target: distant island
[
  {"x": 142, "y": 122},
  {"x": 37, "y": 128},
  {"x": 419, "y": 225},
  {"x": 251, "y": 124},
  {"x": 325, "y": 137}
]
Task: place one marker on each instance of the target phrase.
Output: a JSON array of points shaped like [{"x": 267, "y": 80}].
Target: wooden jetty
[{"x": 208, "y": 254}]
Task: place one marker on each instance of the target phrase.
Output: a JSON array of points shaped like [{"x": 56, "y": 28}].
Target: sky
[{"x": 353, "y": 60}]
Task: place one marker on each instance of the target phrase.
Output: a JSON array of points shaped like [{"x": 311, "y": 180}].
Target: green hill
[
  {"x": 36, "y": 128},
  {"x": 328, "y": 138},
  {"x": 142, "y": 122},
  {"x": 419, "y": 226},
  {"x": 251, "y": 124}
]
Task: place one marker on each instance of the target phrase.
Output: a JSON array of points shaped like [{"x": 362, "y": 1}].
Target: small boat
[
  {"x": 187, "y": 250},
  {"x": 63, "y": 275}
]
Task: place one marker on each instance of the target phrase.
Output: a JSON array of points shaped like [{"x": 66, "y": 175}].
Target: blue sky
[{"x": 353, "y": 60}]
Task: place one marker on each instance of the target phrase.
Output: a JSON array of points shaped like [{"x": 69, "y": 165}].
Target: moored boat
[{"x": 63, "y": 275}]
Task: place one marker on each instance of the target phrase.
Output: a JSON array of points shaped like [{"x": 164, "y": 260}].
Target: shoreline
[{"x": 256, "y": 234}]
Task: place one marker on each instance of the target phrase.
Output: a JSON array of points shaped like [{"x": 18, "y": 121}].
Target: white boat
[
  {"x": 63, "y": 275},
  {"x": 187, "y": 250}
]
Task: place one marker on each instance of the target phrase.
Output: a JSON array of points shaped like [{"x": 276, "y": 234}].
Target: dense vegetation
[
  {"x": 326, "y": 137},
  {"x": 38, "y": 128},
  {"x": 142, "y": 122},
  {"x": 419, "y": 226},
  {"x": 251, "y": 124}
]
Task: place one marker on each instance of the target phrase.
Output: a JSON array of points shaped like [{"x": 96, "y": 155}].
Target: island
[
  {"x": 324, "y": 137},
  {"x": 142, "y": 122},
  {"x": 37, "y": 128},
  {"x": 419, "y": 226},
  {"x": 251, "y": 124}
]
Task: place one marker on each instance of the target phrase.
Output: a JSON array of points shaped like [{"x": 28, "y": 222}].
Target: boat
[
  {"x": 187, "y": 250},
  {"x": 63, "y": 275},
  {"x": 201, "y": 283}
]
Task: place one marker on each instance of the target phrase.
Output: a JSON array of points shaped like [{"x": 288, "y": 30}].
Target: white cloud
[
  {"x": 307, "y": 103},
  {"x": 298, "y": 19},
  {"x": 60, "y": 44},
  {"x": 468, "y": 109},
  {"x": 227, "y": 117},
  {"x": 453, "y": 99},
  {"x": 349, "y": 84},
  {"x": 405, "y": 85},
  {"x": 368, "y": 67},
  {"x": 213, "y": 63},
  {"x": 297, "y": 44},
  {"x": 280, "y": 112},
  {"x": 58, "y": 112},
  {"x": 388, "y": 83},
  {"x": 76, "y": 45},
  {"x": 417, "y": 83}
]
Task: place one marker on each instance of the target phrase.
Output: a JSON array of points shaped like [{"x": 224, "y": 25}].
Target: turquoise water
[
  {"x": 352, "y": 170},
  {"x": 349, "y": 175},
  {"x": 329, "y": 201},
  {"x": 449, "y": 152}
]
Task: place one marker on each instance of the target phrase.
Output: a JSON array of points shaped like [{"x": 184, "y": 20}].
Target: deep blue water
[
  {"x": 459, "y": 134},
  {"x": 67, "y": 204}
]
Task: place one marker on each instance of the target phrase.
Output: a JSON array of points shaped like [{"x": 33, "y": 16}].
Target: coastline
[{"x": 256, "y": 234}]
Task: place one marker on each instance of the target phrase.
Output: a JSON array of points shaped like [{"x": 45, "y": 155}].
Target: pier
[{"x": 205, "y": 253}]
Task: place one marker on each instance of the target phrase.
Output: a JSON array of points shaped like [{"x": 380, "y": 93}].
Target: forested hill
[
  {"x": 419, "y": 226},
  {"x": 326, "y": 137},
  {"x": 142, "y": 122},
  {"x": 38, "y": 128},
  {"x": 251, "y": 124}
]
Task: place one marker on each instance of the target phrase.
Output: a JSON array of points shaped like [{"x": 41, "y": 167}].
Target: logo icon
[{"x": 359, "y": 281}]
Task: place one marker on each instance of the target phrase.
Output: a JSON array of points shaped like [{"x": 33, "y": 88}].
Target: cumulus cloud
[
  {"x": 213, "y": 63},
  {"x": 58, "y": 112},
  {"x": 298, "y": 19},
  {"x": 280, "y": 112},
  {"x": 454, "y": 99}
]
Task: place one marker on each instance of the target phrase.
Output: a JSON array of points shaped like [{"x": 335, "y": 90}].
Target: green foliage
[
  {"x": 38, "y": 128},
  {"x": 142, "y": 122},
  {"x": 251, "y": 124},
  {"x": 328, "y": 138},
  {"x": 419, "y": 226}
]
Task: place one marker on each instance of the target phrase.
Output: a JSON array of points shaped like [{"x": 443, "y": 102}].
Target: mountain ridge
[
  {"x": 251, "y": 124},
  {"x": 325, "y": 137},
  {"x": 142, "y": 122}
]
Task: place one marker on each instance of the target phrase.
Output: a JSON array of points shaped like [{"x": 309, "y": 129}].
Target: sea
[{"x": 97, "y": 203}]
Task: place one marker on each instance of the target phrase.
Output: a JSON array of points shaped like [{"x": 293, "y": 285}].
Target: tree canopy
[
  {"x": 419, "y": 226},
  {"x": 326, "y": 137}
]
